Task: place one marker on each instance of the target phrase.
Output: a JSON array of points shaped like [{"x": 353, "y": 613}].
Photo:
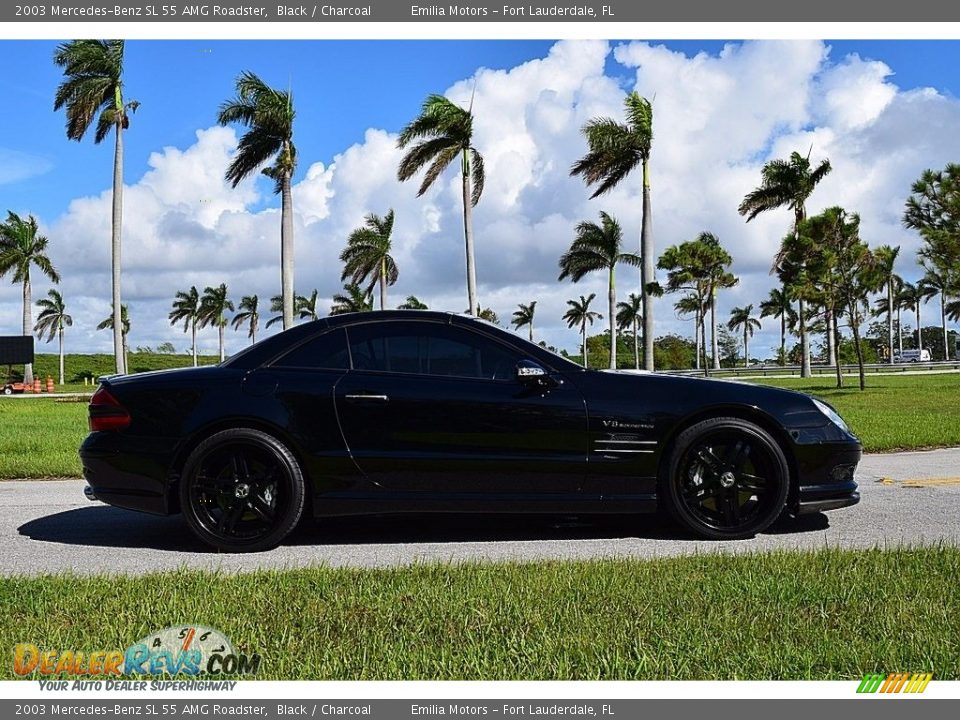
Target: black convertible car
[{"x": 386, "y": 412}]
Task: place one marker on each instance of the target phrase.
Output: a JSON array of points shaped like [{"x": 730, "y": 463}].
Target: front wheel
[
  {"x": 242, "y": 491},
  {"x": 726, "y": 479}
]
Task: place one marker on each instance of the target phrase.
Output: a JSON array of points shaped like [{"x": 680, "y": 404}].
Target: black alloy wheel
[
  {"x": 242, "y": 491},
  {"x": 726, "y": 479}
]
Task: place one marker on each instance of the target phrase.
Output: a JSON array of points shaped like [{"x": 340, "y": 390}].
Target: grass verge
[
  {"x": 895, "y": 412},
  {"x": 827, "y": 614}
]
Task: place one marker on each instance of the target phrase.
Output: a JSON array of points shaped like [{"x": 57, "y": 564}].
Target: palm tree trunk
[
  {"x": 839, "y": 374},
  {"x": 697, "y": 339},
  {"x": 713, "y": 330},
  {"x": 253, "y": 330},
  {"x": 899, "y": 333},
  {"x": 890, "y": 318},
  {"x": 919, "y": 329},
  {"x": 193, "y": 333},
  {"x": 27, "y": 327},
  {"x": 703, "y": 342},
  {"x": 646, "y": 270},
  {"x": 636, "y": 345},
  {"x": 612, "y": 309},
  {"x": 804, "y": 342},
  {"x": 943, "y": 322},
  {"x": 220, "y": 331},
  {"x": 531, "y": 329},
  {"x": 831, "y": 338},
  {"x": 746, "y": 347},
  {"x": 119, "y": 354},
  {"x": 783, "y": 338},
  {"x": 472, "y": 301},
  {"x": 383, "y": 284},
  {"x": 583, "y": 341},
  {"x": 60, "y": 337},
  {"x": 286, "y": 249},
  {"x": 854, "y": 326},
  {"x": 126, "y": 350}
]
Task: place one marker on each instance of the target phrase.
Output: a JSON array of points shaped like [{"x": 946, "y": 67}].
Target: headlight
[{"x": 832, "y": 414}]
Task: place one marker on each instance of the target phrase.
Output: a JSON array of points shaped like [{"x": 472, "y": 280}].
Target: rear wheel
[
  {"x": 242, "y": 491},
  {"x": 726, "y": 479}
]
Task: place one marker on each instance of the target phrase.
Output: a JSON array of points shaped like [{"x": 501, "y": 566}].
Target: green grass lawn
[
  {"x": 39, "y": 437},
  {"x": 77, "y": 367},
  {"x": 895, "y": 412},
  {"x": 828, "y": 614}
]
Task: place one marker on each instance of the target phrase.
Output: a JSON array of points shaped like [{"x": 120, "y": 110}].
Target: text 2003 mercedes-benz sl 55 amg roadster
[{"x": 399, "y": 411}]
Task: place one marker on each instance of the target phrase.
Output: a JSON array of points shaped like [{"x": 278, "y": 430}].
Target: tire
[
  {"x": 7, "y": 390},
  {"x": 725, "y": 479},
  {"x": 242, "y": 490}
]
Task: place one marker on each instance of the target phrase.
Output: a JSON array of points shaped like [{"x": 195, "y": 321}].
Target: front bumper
[{"x": 825, "y": 477}]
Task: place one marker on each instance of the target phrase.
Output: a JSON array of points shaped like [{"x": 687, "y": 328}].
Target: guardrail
[{"x": 794, "y": 370}]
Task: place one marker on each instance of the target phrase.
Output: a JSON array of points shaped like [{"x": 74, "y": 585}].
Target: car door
[{"x": 435, "y": 408}]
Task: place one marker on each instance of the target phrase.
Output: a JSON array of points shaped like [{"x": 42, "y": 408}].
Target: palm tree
[
  {"x": 412, "y": 303},
  {"x": 186, "y": 308},
  {"x": 213, "y": 311},
  {"x": 579, "y": 313},
  {"x": 630, "y": 315},
  {"x": 269, "y": 115},
  {"x": 367, "y": 255},
  {"x": 92, "y": 85},
  {"x": 306, "y": 307},
  {"x": 487, "y": 314},
  {"x": 615, "y": 151},
  {"x": 740, "y": 317},
  {"x": 108, "y": 324},
  {"x": 52, "y": 320},
  {"x": 248, "y": 314},
  {"x": 693, "y": 304},
  {"x": 779, "y": 305},
  {"x": 352, "y": 299},
  {"x": 937, "y": 282},
  {"x": 443, "y": 131},
  {"x": 276, "y": 306},
  {"x": 886, "y": 260},
  {"x": 700, "y": 266},
  {"x": 911, "y": 297},
  {"x": 787, "y": 183},
  {"x": 523, "y": 317},
  {"x": 21, "y": 248},
  {"x": 599, "y": 247}
]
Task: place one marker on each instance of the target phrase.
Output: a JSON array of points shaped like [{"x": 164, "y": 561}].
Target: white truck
[{"x": 912, "y": 356}]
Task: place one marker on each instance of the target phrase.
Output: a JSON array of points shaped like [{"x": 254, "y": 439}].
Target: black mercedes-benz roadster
[{"x": 396, "y": 411}]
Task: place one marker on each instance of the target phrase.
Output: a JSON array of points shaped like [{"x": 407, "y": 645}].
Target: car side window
[
  {"x": 430, "y": 349},
  {"x": 324, "y": 352}
]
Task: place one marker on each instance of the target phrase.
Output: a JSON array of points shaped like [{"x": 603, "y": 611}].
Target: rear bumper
[{"x": 126, "y": 472}]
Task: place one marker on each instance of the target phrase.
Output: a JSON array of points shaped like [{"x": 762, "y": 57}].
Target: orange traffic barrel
[
  {"x": 36, "y": 385},
  {"x": 50, "y": 387}
]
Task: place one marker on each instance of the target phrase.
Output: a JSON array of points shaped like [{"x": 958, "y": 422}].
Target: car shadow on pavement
[{"x": 103, "y": 526}]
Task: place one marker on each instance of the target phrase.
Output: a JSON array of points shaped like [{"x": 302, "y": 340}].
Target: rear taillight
[{"x": 106, "y": 413}]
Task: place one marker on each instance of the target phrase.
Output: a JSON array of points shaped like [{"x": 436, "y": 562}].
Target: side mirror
[{"x": 530, "y": 373}]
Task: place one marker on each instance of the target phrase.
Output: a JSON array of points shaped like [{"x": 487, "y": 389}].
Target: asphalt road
[{"x": 48, "y": 526}]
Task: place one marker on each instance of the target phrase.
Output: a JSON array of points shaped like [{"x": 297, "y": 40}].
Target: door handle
[{"x": 368, "y": 398}]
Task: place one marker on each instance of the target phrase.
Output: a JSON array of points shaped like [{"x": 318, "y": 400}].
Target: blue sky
[
  {"x": 341, "y": 89},
  {"x": 721, "y": 110}
]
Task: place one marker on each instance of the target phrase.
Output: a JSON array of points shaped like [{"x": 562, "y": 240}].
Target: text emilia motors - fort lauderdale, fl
[{"x": 184, "y": 10}]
